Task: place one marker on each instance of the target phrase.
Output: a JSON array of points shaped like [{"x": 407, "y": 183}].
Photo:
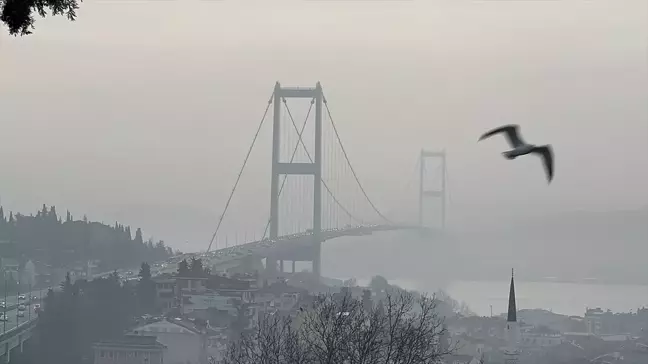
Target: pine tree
[
  {"x": 138, "y": 236},
  {"x": 66, "y": 286},
  {"x": 183, "y": 268},
  {"x": 146, "y": 289},
  {"x": 52, "y": 214}
]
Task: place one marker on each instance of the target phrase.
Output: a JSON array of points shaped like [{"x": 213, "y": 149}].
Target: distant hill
[
  {"x": 48, "y": 239},
  {"x": 609, "y": 246}
]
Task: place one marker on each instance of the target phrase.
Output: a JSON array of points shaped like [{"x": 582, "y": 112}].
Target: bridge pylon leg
[
  {"x": 314, "y": 168},
  {"x": 439, "y": 193}
]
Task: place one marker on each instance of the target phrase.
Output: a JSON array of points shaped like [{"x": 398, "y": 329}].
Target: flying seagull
[{"x": 520, "y": 147}]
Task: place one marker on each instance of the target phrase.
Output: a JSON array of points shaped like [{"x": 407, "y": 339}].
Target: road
[
  {"x": 12, "y": 310},
  {"x": 216, "y": 257}
]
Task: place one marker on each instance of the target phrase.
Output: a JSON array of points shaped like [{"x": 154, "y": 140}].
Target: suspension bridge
[{"x": 309, "y": 199}]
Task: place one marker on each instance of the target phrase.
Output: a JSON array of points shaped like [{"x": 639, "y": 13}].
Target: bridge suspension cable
[
  {"x": 292, "y": 158},
  {"x": 301, "y": 142},
  {"x": 328, "y": 190},
  {"x": 238, "y": 178},
  {"x": 346, "y": 156},
  {"x": 405, "y": 187}
]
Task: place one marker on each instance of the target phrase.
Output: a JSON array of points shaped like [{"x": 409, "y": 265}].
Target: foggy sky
[{"x": 144, "y": 111}]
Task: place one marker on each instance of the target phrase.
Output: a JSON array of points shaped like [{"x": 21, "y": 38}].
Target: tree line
[
  {"x": 49, "y": 239},
  {"x": 193, "y": 268},
  {"x": 83, "y": 312}
]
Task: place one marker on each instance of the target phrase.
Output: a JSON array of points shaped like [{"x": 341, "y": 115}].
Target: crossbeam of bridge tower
[
  {"x": 314, "y": 169},
  {"x": 425, "y": 194}
]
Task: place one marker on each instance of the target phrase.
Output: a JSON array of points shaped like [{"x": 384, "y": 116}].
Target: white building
[
  {"x": 185, "y": 343},
  {"x": 593, "y": 318},
  {"x": 28, "y": 276}
]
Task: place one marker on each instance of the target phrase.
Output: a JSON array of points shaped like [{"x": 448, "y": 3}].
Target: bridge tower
[
  {"x": 424, "y": 194},
  {"x": 314, "y": 169}
]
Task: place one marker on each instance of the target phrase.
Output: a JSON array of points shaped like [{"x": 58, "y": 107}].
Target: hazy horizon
[{"x": 142, "y": 112}]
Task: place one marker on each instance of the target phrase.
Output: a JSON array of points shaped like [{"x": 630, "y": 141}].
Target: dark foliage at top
[
  {"x": 194, "y": 268},
  {"x": 48, "y": 239},
  {"x": 18, "y": 15},
  {"x": 81, "y": 313}
]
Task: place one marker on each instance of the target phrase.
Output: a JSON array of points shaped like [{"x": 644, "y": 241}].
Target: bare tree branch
[{"x": 403, "y": 330}]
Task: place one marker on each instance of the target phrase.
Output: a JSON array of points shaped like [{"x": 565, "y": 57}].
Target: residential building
[
  {"x": 593, "y": 319},
  {"x": 28, "y": 276},
  {"x": 194, "y": 285},
  {"x": 460, "y": 359},
  {"x": 187, "y": 342},
  {"x": 165, "y": 292},
  {"x": 131, "y": 349}
]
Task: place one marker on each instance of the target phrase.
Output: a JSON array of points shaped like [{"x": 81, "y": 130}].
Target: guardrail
[{"x": 27, "y": 325}]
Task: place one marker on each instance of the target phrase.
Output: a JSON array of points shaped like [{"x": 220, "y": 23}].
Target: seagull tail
[{"x": 509, "y": 155}]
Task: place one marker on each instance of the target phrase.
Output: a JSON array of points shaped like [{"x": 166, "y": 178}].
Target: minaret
[{"x": 511, "y": 352}]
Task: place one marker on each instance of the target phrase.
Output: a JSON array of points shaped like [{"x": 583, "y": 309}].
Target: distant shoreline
[{"x": 582, "y": 281}]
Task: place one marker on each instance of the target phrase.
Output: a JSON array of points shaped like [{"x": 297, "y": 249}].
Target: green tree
[
  {"x": 138, "y": 236},
  {"x": 197, "y": 268},
  {"x": 66, "y": 286},
  {"x": 70, "y": 322},
  {"x": 379, "y": 283},
  {"x": 47, "y": 239},
  {"x": 146, "y": 289},
  {"x": 183, "y": 268},
  {"x": 18, "y": 15}
]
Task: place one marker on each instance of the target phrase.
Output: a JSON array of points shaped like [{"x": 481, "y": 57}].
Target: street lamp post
[
  {"x": 30, "y": 299},
  {"x": 4, "y": 307},
  {"x": 17, "y": 302}
]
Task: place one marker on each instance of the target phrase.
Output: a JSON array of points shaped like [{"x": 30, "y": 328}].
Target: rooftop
[{"x": 132, "y": 341}]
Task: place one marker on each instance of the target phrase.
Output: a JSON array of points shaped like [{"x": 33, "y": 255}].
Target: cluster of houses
[
  {"x": 202, "y": 313},
  {"x": 199, "y": 315},
  {"x": 548, "y": 338}
]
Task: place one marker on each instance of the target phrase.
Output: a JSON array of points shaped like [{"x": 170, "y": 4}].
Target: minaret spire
[
  {"x": 512, "y": 309},
  {"x": 512, "y": 351}
]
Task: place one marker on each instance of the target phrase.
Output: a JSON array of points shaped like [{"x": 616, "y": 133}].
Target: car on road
[
  {"x": 21, "y": 297},
  {"x": 21, "y": 307},
  {"x": 3, "y": 304},
  {"x": 3, "y": 317},
  {"x": 21, "y": 313}
]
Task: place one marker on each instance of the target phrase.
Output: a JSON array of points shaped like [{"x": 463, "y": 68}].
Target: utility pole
[
  {"x": 17, "y": 302},
  {"x": 4, "y": 307},
  {"x": 30, "y": 299}
]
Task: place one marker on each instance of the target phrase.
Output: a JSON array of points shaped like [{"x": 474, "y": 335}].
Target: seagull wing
[
  {"x": 546, "y": 153},
  {"x": 512, "y": 134}
]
